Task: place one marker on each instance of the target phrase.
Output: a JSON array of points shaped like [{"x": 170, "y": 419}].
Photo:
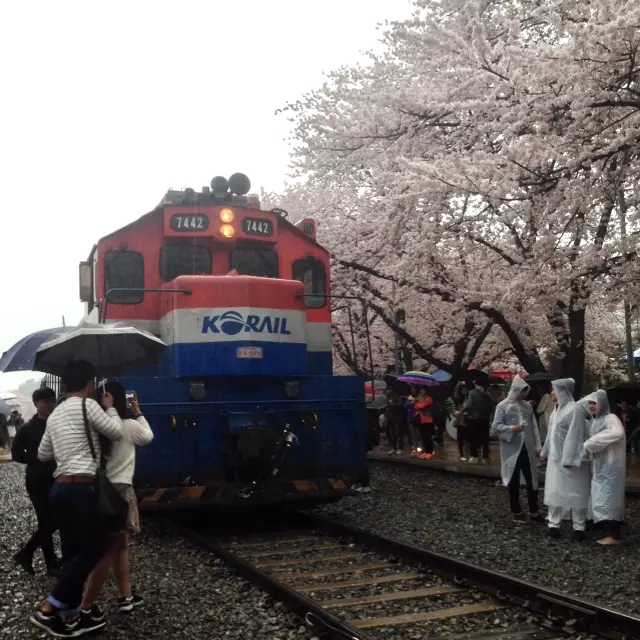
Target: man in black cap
[{"x": 39, "y": 479}]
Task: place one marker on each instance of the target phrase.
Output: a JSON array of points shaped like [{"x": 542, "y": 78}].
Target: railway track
[{"x": 355, "y": 585}]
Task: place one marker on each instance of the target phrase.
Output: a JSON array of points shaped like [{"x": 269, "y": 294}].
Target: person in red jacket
[{"x": 423, "y": 406}]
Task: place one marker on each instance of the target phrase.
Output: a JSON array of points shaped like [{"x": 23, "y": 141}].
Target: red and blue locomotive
[{"x": 244, "y": 406}]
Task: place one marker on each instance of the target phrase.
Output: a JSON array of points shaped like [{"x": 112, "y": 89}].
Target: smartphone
[{"x": 130, "y": 397}]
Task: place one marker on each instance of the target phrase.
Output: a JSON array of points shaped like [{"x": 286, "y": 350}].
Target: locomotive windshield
[
  {"x": 255, "y": 261},
  {"x": 312, "y": 274},
  {"x": 184, "y": 260},
  {"x": 124, "y": 270}
]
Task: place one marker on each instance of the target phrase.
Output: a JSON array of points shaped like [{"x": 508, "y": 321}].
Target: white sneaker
[
  {"x": 399, "y": 452},
  {"x": 391, "y": 452},
  {"x": 473, "y": 460},
  {"x": 463, "y": 459}
]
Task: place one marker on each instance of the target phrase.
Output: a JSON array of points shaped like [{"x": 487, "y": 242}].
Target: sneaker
[
  {"x": 95, "y": 614},
  {"x": 473, "y": 460},
  {"x": 463, "y": 459},
  {"x": 519, "y": 517},
  {"x": 25, "y": 562},
  {"x": 553, "y": 532},
  {"x": 579, "y": 536},
  {"x": 399, "y": 452},
  {"x": 126, "y": 605},
  {"x": 390, "y": 453},
  {"x": 429, "y": 456},
  {"x": 59, "y": 627},
  {"x": 366, "y": 489}
]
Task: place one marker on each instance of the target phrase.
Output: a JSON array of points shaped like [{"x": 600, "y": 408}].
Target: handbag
[{"x": 112, "y": 507}]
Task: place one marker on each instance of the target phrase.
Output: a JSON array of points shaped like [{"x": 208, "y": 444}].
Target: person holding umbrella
[{"x": 73, "y": 497}]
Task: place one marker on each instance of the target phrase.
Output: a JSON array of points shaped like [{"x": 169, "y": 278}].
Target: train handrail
[{"x": 103, "y": 303}]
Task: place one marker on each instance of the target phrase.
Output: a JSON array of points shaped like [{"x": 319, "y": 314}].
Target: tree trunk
[{"x": 572, "y": 360}]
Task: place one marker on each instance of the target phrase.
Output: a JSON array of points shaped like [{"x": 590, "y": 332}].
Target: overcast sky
[{"x": 105, "y": 105}]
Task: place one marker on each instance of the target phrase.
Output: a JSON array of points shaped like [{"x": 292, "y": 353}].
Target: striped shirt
[{"x": 65, "y": 438}]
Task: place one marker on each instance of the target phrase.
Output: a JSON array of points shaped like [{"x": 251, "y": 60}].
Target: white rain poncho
[
  {"x": 509, "y": 413},
  {"x": 566, "y": 487},
  {"x": 608, "y": 448}
]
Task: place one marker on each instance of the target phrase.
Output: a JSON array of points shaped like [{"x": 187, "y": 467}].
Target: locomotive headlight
[
  {"x": 227, "y": 231},
  {"x": 292, "y": 389},
  {"x": 227, "y": 215}
]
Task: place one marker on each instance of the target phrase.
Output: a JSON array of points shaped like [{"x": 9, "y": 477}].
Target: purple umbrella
[{"x": 418, "y": 379}]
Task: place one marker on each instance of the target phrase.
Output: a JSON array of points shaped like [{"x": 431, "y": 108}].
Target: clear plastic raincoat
[
  {"x": 566, "y": 487},
  {"x": 512, "y": 412},
  {"x": 607, "y": 446}
]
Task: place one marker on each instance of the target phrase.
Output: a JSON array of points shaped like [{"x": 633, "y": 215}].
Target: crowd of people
[
  {"x": 69, "y": 444},
  {"x": 9, "y": 427},
  {"x": 420, "y": 419},
  {"x": 582, "y": 445}
]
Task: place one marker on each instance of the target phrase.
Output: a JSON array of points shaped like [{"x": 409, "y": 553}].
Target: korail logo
[{"x": 232, "y": 323}]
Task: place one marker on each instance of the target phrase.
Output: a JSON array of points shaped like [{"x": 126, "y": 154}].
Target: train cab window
[
  {"x": 124, "y": 270},
  {"x": 184, "y": 260},
  {"x": 312, "y": 274},
  {"x": 255, "y": 261}
]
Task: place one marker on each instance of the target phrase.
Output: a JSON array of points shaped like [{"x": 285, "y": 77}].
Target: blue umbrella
[
  {"x": 21, "y": 357},
  {"x": 441, "y": 375}
]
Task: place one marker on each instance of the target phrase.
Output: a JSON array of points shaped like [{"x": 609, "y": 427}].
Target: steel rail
[
  {"x": 559, "y": 608},
  {"x": 323, "y": 621}
]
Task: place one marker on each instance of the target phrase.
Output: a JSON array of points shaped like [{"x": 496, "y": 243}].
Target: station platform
[{"x": 447, "y": 459}]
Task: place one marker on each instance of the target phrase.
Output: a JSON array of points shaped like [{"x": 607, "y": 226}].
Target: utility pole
[{"x": 631, "y": 369}]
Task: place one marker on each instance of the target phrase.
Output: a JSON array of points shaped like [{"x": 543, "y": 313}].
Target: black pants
[
  {"x": 38, "y": 490},
  {"x": 462, "y": 438},
  {"x": 440, "y": 428},
  {"x": 426, "y": 435},
  {"x": 397, "y": 432},
  {"x": 478, "y": 434},
  {"x": 523, "y": 465},
  {"x": 84, "y": 542}
]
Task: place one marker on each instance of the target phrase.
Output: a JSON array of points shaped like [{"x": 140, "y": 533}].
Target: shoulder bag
[{"x": 112, "y": 507}]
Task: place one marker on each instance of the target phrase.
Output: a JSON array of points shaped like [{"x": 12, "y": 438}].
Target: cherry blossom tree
[{"x": 485, "y": 164}]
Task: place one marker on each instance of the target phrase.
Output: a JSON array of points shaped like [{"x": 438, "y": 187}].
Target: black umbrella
[
  {"x": 481, "y": 377},
  {"x": 624, "y": 392},
  {"x": 541, "y": 377}
]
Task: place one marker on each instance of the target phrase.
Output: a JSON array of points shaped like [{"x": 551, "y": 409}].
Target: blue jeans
[{"x": 75, "y": 510}]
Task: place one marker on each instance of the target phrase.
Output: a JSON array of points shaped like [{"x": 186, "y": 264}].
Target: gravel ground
[
  {"x": 468, "y": 518},
  {"x": 188, "y": 594}
]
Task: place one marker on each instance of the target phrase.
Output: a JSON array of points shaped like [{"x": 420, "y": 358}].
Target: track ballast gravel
[
  {"x": 188, "y": 593},
  {"x": 468, "y": 518}
]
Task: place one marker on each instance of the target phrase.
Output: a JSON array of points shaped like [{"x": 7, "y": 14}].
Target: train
[{"x": 244, "y": 405}]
